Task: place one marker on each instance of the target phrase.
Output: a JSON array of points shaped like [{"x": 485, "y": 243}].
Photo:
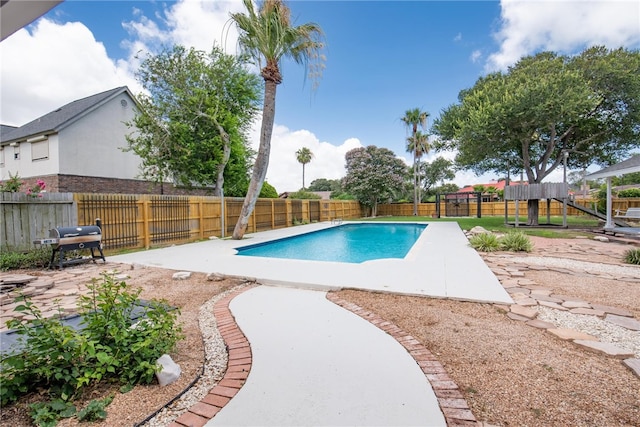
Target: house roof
[
  {"x": 5, "y": 129},
  {"x": 498, "y": 185},
  {"x": 62, "y": 117},
  {"x": 628, "y": 166}
]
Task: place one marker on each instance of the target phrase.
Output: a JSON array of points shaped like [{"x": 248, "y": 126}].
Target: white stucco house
[{"x": 77, "y": 147}]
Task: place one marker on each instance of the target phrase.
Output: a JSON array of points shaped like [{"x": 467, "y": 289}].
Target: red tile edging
[
  {"x": 238, "y": 367},
  {"x": 452, "y": 403}
]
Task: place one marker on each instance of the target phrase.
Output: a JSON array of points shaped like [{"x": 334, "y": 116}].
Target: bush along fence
[{"x": 143, "y": 221}]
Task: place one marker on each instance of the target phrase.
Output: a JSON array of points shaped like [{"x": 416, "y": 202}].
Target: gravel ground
[{"x": 511, "y": 374}]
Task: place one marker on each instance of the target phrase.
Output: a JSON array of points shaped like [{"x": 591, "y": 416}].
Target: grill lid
[{"x": 62, "y": 232}]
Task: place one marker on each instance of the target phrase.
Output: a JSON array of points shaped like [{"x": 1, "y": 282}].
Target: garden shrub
[
  {"x": 63, "y": 361},
  {"x": 629, "y": 192},
  {"x": 485, "y": 242},
  {"x": 516, "y": 241},
  {"x": 34, "y": 258},
  {"x": 632, "y": 256}
]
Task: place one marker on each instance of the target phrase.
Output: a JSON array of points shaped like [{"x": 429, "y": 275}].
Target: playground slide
[{"x": 591, "y": 212}]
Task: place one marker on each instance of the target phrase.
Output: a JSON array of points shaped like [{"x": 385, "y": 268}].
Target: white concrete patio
[{"x": 440, "y": 264}]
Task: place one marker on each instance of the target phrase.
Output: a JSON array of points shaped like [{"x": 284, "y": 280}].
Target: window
[
  {"x": 40, "y": 150},
  {"x": 1, "y": 156}
]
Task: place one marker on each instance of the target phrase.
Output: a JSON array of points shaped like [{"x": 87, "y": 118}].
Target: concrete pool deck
[{"x": 441, "y": 264}]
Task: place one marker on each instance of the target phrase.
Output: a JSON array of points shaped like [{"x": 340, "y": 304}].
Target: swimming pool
[{"x": 352, "y": 243}]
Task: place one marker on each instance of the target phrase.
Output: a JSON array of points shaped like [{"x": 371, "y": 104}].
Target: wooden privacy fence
[
  {"x": 498, "y": 208},
  {"x": 24, "y": 218},
  {"x": 143, "y": 221}
]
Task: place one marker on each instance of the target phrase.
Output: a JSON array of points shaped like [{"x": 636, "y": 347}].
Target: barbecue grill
[{"x": 65, "y": 239}]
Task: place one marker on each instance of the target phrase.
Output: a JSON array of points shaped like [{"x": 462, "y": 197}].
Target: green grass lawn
[{"x": 576, "y": 224}]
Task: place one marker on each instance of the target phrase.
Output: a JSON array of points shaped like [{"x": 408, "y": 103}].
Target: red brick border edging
[
  {"x": 238, "y": 367},
  {"x": 452, "y": 403}
]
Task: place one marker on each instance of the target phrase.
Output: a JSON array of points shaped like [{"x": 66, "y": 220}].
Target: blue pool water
[{"x": 352, "y": 243}]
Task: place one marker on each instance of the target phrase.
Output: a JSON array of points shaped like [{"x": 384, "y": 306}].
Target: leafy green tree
[
  {"x": 527, "y": 118},
  {"x": 439, "y": 170},
  {"x": 267, "y": 35},
  {"x": 268, "y": 191},
  {"x": 304, "y": 156},
  {"x": 193, "y": 121},
  {"x": 303, "y": 195},
  {"x": 447, "y": 188},
  {"x": 417, "y": 143},
  {"x": 323, "y": 184},
  {"x": 373, "y": 175}
]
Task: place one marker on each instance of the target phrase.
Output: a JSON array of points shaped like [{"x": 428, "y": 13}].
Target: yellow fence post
[{"x": 146, "y": 231}]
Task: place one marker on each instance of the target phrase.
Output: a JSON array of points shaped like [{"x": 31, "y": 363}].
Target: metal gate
[{"x": 457, "y": 204}]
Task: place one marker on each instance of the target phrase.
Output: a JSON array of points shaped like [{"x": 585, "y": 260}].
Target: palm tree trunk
[
  {"x": 415, "y": 185},
  {"x": 262, "y": 159},
  {"x": 303, "y": 176}
]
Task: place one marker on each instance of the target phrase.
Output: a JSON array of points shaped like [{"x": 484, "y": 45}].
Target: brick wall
[{"x": 85, "y": 184}]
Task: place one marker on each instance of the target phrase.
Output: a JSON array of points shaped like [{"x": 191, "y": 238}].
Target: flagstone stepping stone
[
  {"x": 517, "y": 317},
  {"x": 552, "y": 305},
  {"x": 576, "y": 304},
  {"x": 605, "y": 347},
  {"x": 540, "y": 324},
  {"x": 17, "y": 279},
  {"x": 625, "y": 322},
  {"x": 587, "y": 311},
  {"x": 527, "y": 312},
  {"x": 634, "y": 365},
  {"x": 547, "y": 298},
  {"x": 571, "y": 334},
  {"x": 612, "y": 310}
]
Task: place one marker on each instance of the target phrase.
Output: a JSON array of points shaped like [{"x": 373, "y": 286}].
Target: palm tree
[
  {"x": 413, "y": 119},
  {"x": 267, "y": 36},
  {"x": 304, "y": 156},
  {"x": 418, "y": 144}
]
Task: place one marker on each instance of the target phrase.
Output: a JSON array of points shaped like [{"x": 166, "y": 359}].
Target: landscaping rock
[
  {"x": 215, "y": 277},
  {"x": 625, "y": 322},
  {"x": 181, "y": 275},
  {"x": 601, "y": 238},
  {"x": 170, "y": 370},
  {"x": 634, "y": 365},
  {"x": 604, "y": 347}
]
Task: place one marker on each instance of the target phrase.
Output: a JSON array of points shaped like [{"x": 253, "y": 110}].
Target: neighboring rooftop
[{"x": 59, "y": 118}]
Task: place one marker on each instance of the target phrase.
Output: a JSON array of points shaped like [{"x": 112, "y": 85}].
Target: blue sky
[{"x": 383, "y": 57}]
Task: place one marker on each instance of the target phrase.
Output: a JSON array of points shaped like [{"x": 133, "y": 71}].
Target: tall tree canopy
[
  {"x": 417, "y": 144},
  {"x": 267, "y": 36},
  {"x": 439, "y": 170},
  {"x": 194, "y": 119},
  {"x": 304, "y": 156},
  {"x": 526, "y": 118},
  {"x": 373, "y": 175}
]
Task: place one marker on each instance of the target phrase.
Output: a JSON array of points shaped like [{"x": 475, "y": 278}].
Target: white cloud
[
  {"x": 564, "y": 26},
  {"x": 51, "y": 66},
  {"x": 285, "y": 173}
]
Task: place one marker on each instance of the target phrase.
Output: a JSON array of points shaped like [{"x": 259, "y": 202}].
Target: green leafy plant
[
  {"x": 516, "y": 241},
  {"x": 485, "y": 242},
  {"x": 64, "y": 361},
  {"x": 34, "y": 258},
  {"x": 95, "y": 410},
  {"x": 632, "y": 256},
  {"x": 12, "y": 185},
  {"x": 629, "y": 193},
  {"x": 47, "y": 414}
]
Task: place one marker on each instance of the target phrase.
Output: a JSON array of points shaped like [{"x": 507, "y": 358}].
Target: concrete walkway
[{"x": 317, "y": 364}]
